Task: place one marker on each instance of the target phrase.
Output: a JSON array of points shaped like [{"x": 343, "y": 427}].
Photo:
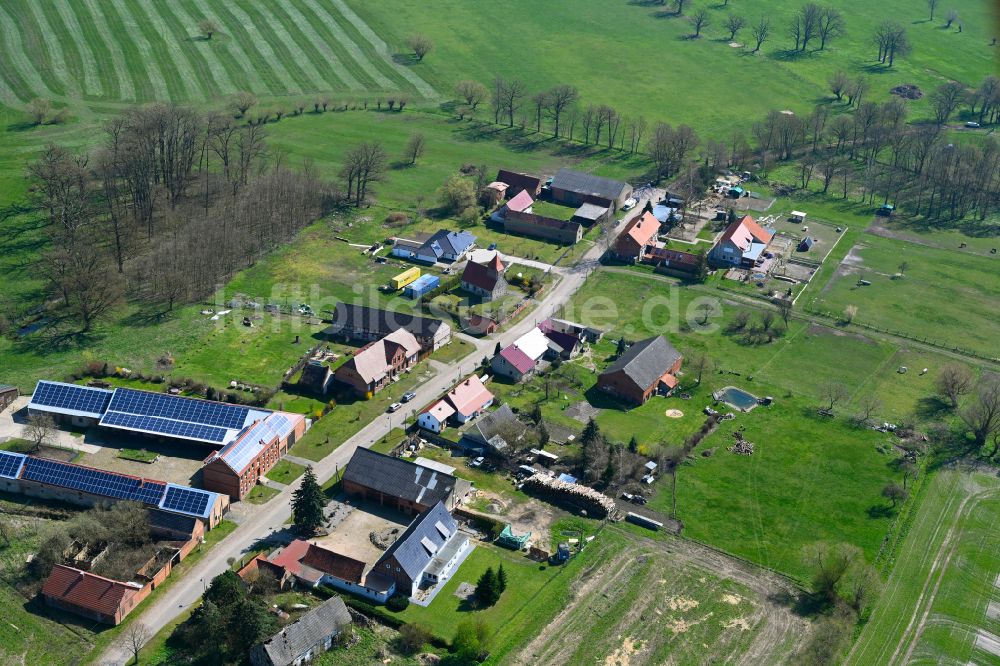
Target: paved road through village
[{"x": 271, "y": 517}]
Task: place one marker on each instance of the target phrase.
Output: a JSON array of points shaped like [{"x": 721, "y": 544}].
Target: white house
[{"x": 435, "y": 417}]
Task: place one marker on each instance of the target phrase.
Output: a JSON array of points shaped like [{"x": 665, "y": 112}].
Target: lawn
[
  {"x": 553, "y": 210},
  {"x": 285, "y": 472},
  {"x": 944, "y": 575},
  {"x": 534, "y": 594},
  {"x": 261, "y": 494},
  {"x": 138, "y": 455},
  {"x": 946, "y": 297}
]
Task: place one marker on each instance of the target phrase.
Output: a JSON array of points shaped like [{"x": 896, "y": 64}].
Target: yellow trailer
[{"x": 405, "y": 278}]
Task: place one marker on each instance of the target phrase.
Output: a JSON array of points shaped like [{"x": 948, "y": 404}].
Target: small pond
[{"x": 737, "y": 398}]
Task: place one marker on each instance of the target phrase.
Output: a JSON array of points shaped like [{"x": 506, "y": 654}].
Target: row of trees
[{"x": 169, "y": 203}]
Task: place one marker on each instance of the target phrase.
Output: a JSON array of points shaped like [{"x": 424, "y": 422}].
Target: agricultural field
[
  {"x": 654, "y": 602},
  {"x": 940, "y": 601},
  {"x": 947, "y": 297},
  {"x": 641, "y": 60}
]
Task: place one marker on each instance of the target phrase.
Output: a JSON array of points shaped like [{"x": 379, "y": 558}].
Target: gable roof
[
  {"x": 329, "y": 618},
  {"x": 333, "y": 564},
  {"x": 585, "y": 183},
  {"x": 687, "y": 259},
  {"x": 449, "y": 242},
  {"x": 425, "y": 536},
  {"x": 440, "y": 410},
  {"x": 519, "y": 181},
  {"x": 397, "y": 477},
  {"x": 86, "y": 590},
  {"x": 744, "y": 232},
  {"x": 315, "y": 376},
  {"x": 521, "y": 202},
  {"x": 589, "y": 211},
  {"x": 517, "y": 358},
  {"x": 642, "y": 229},
  {"x": 646, "y": 361},
  {"x": 533, "y": 343},
  {"x": 361, "y": 317},
  {"x": 482, "y": 276},
  {"x": 470, "y": 396},
  {"x": 243, "y": 450},
  {"x": 499, "y": 422},
  {"x": 566, "y": 341},
  {"x": 404, "y": 339}
]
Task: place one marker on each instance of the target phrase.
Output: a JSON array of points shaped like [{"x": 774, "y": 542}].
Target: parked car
[
  {"x": 394, "y": 407},
  {"x": 972, "y": 124},
  {"x": 638, "y": 499},
  {"x": 408, "y": 396},
  {"x": 492, "y": 246},
  {"x": 629, "y": 204},
  {"x": 476, "y": 462}
]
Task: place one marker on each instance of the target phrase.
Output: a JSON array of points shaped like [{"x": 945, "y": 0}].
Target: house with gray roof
[
  {"x": 399, "y": 483},
  {"x": 426, "y": 554},
  {"x": 575, "y": 188},
  {"x": 647, "y": 368},
  {"x": 304, "y": 640},
  {"x": 499, "y": 431}
]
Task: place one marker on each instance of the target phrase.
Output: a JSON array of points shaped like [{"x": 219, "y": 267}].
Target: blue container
[{"x": 421, "y": 286}]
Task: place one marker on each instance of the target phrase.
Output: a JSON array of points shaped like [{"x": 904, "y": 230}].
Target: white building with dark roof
[{"x": 304, "y": 640}]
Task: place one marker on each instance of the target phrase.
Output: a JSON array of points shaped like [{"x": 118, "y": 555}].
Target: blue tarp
[{"x": 566, "y": 478}]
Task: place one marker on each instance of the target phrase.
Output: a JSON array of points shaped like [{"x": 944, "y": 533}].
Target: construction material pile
[
  {"x": 597, "y": 505},
  {"x": 741, "y": 446}
]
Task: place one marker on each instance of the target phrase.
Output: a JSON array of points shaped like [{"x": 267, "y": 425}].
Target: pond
[{"x": 737, "y": 398}]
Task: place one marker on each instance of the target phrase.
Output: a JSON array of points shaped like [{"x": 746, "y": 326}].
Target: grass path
[
  {"x": 154, "y": 51},
  {"x": 313, "y": 64},
  {"x": 99, "y": 81},
  {"x": 63, "y": 51},
  {"x": 131, "y": 82},
  {"x": 213, "y": 76},
  {"x": 243, "y": 43},
  {"x": 276, "y": 45},
  {"x": 220, "y": 57},
  {"x": 382, "y": 49},
  {"x": 37, "y": 51}
]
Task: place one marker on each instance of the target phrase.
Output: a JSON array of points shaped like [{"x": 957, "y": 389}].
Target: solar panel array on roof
[
  {"x": 245, "y": 448},
  {"x": 70, "y": 398},
  {"x": 157, "y": 425},
  {"x": 93, "y": 481},
  {"x": 10, "y": 464},
  {"x": 179, "y": 408},
  {"x": 187, "y": 500}
]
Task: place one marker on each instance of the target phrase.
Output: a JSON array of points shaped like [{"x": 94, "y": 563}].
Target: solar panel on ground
[
  {"x": 239, "y": 453},
  {"x": 165, "y": 426},
  {"x": 187, "y": 500},
  {"x": 93, "y": 481},
  {"x": 70, "y": 397},
  {"x": 178, "y": 408},
  {"x": 10, "y": 464}
]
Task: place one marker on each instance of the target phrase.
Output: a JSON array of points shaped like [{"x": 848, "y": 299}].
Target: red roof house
[
  {"x": 469, "y": 398},
  {"x": 90, "y": 595},
  {"x": 517, "y": 182},
  {"x": 485, "y": 280},
  {"x": 638, "y": 234},
  {"x": 742, "y": 243},
  {"x": 513, "y": 363}
]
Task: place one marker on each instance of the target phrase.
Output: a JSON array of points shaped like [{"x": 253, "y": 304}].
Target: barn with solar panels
[
  {"x": 252, "y": 440},
  {"x": 88, "y": 486},
  {"x": 236, "y": 467}
]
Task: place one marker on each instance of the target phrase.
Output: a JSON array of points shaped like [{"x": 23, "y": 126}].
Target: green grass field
[
  {"x": 947, "y": 297},
  {"x": 285, "y": 472},
  {"x": 941, "y": 593}
]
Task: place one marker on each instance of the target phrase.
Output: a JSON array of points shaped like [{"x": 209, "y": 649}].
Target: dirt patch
[
  {"x": 623, "y": 655},
  {"x": 350, "y": 537},
  {"x": 732, "y": 599},
  {"x": 679, "y": 625},
  {"x": 988, "y": 642},
  {"x": 816, "y": 329},
  {"x": 735, "y": 45},
  {"x": 674, "y": 413},
  {"x": 907, "y": 91},
  {"x": 465, "y": 590},
  {"x": 993, "y": 610},
  {"x": 682, "y": 604},
  {"x": 740, "y": 623}
]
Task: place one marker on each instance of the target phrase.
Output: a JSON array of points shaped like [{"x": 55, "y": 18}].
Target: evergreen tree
[
  {"x": 543, "y": 435},
  {"x": 609, "y": 470},
  {"x": 249, "y": 624},
  {"x": 621, "y": 347},
  {"x": 501, "y": 579},
  {"x": 487, "y": 588},
  {"x": 590, "y": 432},
  {"x": 702, "y": 269},
  {"x": 633, "y": 445},
  {"x": 536, "y": 414},
  {"x": 307, "y": 504}
]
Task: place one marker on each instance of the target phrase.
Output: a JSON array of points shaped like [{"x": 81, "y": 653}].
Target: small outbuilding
[
  {"x": 806, "y": 244},
  {"x": 798, "y": 216}
]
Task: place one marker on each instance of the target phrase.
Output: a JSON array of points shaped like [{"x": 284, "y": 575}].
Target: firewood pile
[
  {"x": 597, "y": 505},
  {"x": 741, "y": 446}
]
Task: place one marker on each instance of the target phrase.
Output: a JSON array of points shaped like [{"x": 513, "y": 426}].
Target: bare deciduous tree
[
  {"x": 39, "y": 430},
  {"x": 135, "y": 635},
  {"x": 830, "y": 563},
  {"x": 420, "y": 44},
  {"x": 559, "y": 99},
  {"x": 830, "y": 25},
  {"x": 243, "y": 101},
  {"x": 471, "y": 92},
  {"x": 982, "y": 415},
  {"x": 945, "y": 100},
  {"x": 761, "y": 31},
  {"x": 839, "y": 83},
  {"x": 833, "y": 393},
  {"x": 931, "y": 6},
  {"x": 364, "y": 164},
  {"x": 700, "y": 20},
  {"x": 734, "y": 23},
  {"x": 39, "y": 109},
  {"x": 207, "y": 28},
  {"x": 414, "y": 147},
  {"x": 954, "y": 381}
]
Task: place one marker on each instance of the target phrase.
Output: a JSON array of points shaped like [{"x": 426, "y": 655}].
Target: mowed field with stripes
[{"x": 104, "y": 52}]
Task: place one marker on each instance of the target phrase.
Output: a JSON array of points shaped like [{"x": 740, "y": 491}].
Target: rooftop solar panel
[
  {"x": 165, "y": 426},
  {"x": 178, "y": 408},
  {"x": 72, "y": 398},
  {"x": 93, "y": 481},
  {"x": 187, "y": 500},
  {"x": 240, "y": 452},
  {"x": 10, "y": 464}
]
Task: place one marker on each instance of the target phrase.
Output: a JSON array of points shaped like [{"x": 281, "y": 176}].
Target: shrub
[
  {"x": 412, "y": 637},
  {"x": 397, "y": 603}
]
